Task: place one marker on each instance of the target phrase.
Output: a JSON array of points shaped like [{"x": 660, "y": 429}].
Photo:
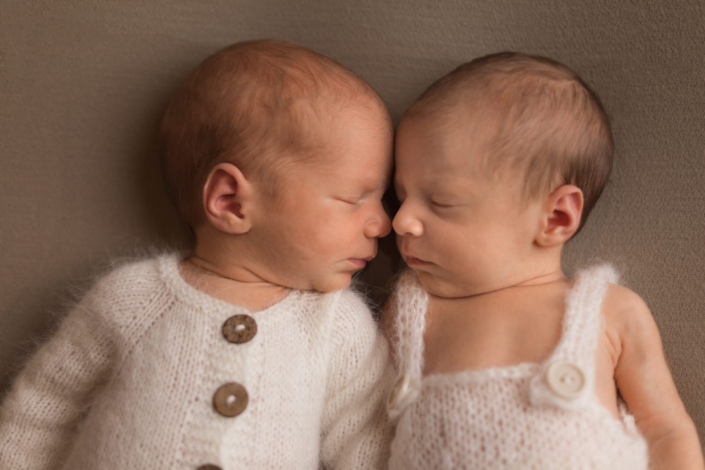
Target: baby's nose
[
  {"x": 380, "y": 225},
  {"x": 386, "y": 226},
  {"x": 406, "y": 224}
]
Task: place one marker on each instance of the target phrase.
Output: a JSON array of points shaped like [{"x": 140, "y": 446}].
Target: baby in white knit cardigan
[
  {"x": 503, "y": 361},
  {"x": 250, "y": 351}
]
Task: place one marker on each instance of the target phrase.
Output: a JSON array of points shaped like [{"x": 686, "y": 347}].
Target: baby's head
[
  {"x": 498, "y": 164},
  {"x": 278, "y": 157}
]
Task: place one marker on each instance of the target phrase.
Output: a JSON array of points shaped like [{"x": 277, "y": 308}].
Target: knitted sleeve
[
  {"x": 356, "y": 431},
  {"x": 40, "y": 415}
]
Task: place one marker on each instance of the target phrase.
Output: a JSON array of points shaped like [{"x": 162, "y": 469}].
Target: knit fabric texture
[
  {"x": 510, "y": 417},
  {"x": 128, "y": 382}
]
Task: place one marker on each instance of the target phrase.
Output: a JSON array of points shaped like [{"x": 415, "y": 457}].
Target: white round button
[
  {"x": 399, "y": 391},
  {"x": 565, "y": 379}
]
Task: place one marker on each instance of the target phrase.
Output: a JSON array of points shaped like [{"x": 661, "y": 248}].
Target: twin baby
[{"x": 251, "y": 352}]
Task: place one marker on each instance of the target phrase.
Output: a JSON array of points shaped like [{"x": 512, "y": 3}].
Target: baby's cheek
[
  {"x": 316, "y": 244},
  {"x": 333, "y": 237},
  {"x": 330, "y": 245}
]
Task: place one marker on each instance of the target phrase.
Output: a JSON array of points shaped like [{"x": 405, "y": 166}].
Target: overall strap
[
  {"x": 567, "y": 379},
  {"x": 409, "y": 305}
]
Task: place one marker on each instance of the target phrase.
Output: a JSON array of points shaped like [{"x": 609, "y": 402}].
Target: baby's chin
[
  {"x": 328, "y": 283},
  {"x": 447, "y": 289}
]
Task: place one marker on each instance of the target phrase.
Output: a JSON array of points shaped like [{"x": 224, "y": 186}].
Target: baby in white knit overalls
[
  {"x": 248, "y": 352},
  {"x": 503, "y": 361}
]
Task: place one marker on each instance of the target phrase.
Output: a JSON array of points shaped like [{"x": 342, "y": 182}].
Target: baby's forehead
[
  {"x": 332, "y": 134},
  {"x": 458, "y": 143},
  {"x": 462, "y": 128}
]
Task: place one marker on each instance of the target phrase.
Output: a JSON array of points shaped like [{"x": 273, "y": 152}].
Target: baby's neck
[
  {"x": 504, "y": 327},
  {"x": 541, "y": 278},
  {"x": 223, "y": 266},
  {"x": 229, "y": 281}
]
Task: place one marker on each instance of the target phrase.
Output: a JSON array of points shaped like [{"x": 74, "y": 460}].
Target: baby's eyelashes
[
  {"x": 440, "y": 205},
  {"x": 359, "y": 199},
  {"x": 351, "y": 200}
]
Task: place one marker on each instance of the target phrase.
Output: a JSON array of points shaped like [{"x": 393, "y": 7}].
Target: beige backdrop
[{"x": 83, "y": 85}]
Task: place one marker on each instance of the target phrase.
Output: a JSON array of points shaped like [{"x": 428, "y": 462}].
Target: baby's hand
[{"x": 646, "y": 384}]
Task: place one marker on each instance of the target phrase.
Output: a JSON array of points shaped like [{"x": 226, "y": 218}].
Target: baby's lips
[
  {"x": 361, "y": 261},
  {"x": 413, "y": 261},
  {"x": 367, "y": 258}
]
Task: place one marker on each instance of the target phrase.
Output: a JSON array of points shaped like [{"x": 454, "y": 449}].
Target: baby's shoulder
[
  {"x": 356, "y": 345},
  {"x": 623, "y": 307},
  {"x": 127, "y": 281},
  {"x": 350, "y": 322},
  {"x": 351, "y": 312},
  {"x": 627, "y": 318},
  {"x": 125, "y": 294}
]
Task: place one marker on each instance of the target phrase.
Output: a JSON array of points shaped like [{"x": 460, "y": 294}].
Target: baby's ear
[
  {"x": 227, "y": 198},
  {"x": 561, "y": 216}
]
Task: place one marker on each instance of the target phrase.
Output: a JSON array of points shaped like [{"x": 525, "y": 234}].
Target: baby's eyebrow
[{"x": 365, "y": 188}]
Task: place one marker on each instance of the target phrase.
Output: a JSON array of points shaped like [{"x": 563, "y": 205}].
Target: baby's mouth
[
  {"x": 360, "y": 262},
  {"x": 413, "y": 261}
]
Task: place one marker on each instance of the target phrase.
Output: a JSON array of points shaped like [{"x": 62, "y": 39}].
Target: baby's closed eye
[
  {"x": 447, "y": 201},
  {"x": 350, "y": 199},
  {"x": 442, "y": 204}
]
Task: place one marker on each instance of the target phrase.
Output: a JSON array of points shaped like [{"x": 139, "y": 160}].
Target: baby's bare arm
[{"x": 646, "y": 384}]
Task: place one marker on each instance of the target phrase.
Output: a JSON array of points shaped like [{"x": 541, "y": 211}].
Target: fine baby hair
[
  {"x": 253, "y": 104},
  {"x": 547, "y": 122}
]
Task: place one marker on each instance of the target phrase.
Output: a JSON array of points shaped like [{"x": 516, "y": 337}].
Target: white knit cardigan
[{"x": 128, "y": 382}]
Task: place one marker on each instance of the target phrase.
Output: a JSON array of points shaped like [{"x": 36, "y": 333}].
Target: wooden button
[
  {"x": 239, "y": 328},
  {"x": 230, "y": 399},
  {"x": 209, "y": 466}
]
